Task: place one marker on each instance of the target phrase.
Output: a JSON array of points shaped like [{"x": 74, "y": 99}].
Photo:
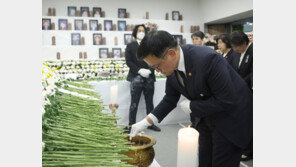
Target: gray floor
[{"x": 167, "y": 145}]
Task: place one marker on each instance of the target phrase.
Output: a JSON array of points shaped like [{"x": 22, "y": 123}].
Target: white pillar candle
[
  {"x": 187, "y": 147},
  {"x": 113, "y": 94}
]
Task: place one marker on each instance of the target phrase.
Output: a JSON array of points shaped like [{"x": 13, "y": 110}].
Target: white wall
[
  {"x": 195, "y": 12},
  {"x": 137, "y": 8},
  {"x": 216, "y": 9}
]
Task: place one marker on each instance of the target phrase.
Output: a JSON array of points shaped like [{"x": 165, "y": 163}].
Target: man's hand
[
  {"x": 144, "y": 72},
  {"x": 138, "y": 127},
  {"x": 185, "y": 106}
]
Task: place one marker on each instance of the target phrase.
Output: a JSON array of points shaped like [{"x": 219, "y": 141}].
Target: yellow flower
[
  {"x": 42, "y": 71},
  {"x": 57, "y": 67},
  {"x": 94, "y": 67},
  {"x": 118, "y": 67},
  {"x": 45, "y": 64},
  {"x": 84, "y": 64},
  {"x": 76, "y": 68},
  {"x": 106, "y": 64}
]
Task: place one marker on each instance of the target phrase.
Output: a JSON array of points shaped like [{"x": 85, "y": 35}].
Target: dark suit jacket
[
  {"x": 133, "y": 63},
  {"x": 246, "y": 68},
  {"x": 230, "y": 55},
  {"x": 215, "y": 90}
]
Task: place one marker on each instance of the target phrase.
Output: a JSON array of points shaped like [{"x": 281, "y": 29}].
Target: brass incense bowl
[{"x": 142, "y": 152}]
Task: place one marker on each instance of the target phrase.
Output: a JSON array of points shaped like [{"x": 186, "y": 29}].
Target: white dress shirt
[{"x": 181, "y": 67}]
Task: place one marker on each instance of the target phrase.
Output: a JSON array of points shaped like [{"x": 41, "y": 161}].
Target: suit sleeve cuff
[{"x": 153, "y": 118}]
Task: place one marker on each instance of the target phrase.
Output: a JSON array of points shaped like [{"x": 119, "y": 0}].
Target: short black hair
[
  {"x": 238, "y": 38},
  {"x": 225, "y": 38},
  {"x": 136, "y": 30},
  {"x": 156, "y": 43},
  {"x": 199, "y": 34}
]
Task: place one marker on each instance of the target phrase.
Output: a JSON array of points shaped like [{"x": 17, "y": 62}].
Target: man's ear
[{"x": 172, "y": 53}]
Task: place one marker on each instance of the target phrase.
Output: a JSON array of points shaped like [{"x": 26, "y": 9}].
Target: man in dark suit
[
  {"x": 243, "y": 64},
  {"x": 141, "y": 76},
  {"x": 218, "y": 100}
]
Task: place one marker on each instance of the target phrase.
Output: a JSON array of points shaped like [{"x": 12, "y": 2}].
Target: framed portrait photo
[
  {"x": 97, "y": 12},
  {"x": 121, "y": 25},
  {"x": 63, "y": 24},
  {"x": 121, "y": 13},
  {"x": 116, "y": 53},
  {"x": 179, "y": 39},
  {"x": 72, "y": 10},
  {"x": 93, "y": 25},
  {"x": 103, "y": 53},
  {"x": 108, "y": 25},
  {"x": 175, "y": 15},
  {"x": 84, "y": 11},
  {"x": 78, "y": 24},
  {"x": 97, "y": 39},
  {"x": 128, "y": 38},
  {"x": 75, "y": 39},
  {"x": 46, "y": 24}
]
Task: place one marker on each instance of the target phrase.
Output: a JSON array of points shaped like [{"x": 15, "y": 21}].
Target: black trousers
[
  {"x": 138, "y": 85},
  {"x": 214, "y": 149}
]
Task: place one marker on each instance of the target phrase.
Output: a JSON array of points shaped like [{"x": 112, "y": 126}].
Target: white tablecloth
[
  {"x": 154, "y": 164},
  {"x": 124, "y": 99}
]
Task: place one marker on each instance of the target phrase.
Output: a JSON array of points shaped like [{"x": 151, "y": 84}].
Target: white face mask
[{"x": 140, "y": 35}]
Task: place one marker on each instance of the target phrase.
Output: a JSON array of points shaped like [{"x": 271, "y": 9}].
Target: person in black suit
[
  {"x": 218, "y": 100},
  {"x": 243, "y": 64},
  {"x": 224, "y": 46},
  {"x": 141, "y": 76}
]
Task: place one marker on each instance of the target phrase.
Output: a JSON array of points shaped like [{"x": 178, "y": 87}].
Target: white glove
[
  {"x": 144, "y": 72},
  {"x": 185, "y": 106},
  {"x": 138, "y": 127}
]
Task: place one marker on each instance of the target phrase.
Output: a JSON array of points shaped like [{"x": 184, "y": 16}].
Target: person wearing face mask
[
  {"x": 224, "y": 46},
  {"x": 140, "y": 76}
]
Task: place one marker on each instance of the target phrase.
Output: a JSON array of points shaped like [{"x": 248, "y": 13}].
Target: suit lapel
[
  {"x": 189, "y": 74},
  {"x": 246, "y": 58}
]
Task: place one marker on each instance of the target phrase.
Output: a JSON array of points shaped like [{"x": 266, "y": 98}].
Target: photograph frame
[
  {"x": 119, "y": 28},
  {"x": 125, "y": 38},
  {"x": 113, "y": 53},
  {"x": 69, "y": 11},
  {"x": 105, "y": 23},
  {"x": 48, "y": 26},
  {"x": 97, "y": 9},
  {"x": 100, "y": 53},
  {"x": 175, "y": 13},
  {"x": 179, "y": 39},
  {"x": 73, "y": 42},
  {"x": 75, "y": 24},
  {"x": 101, "y": 38},
  {"x": 122, "y": 11},
  {"x": 82, "y": 9},
  {"x": 65, "y": 21},
  {"x": 90, "y": 25}
]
